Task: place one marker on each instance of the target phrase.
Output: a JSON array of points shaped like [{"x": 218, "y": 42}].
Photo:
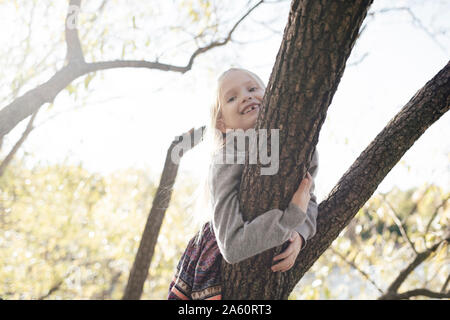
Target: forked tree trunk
[{"x": 316, "y": 44}]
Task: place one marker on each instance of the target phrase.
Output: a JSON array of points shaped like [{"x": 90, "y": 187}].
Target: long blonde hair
[{"x": 214, "y": 140}]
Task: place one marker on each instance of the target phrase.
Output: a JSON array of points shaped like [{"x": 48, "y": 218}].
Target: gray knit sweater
[{"x": 238, "y": 240}]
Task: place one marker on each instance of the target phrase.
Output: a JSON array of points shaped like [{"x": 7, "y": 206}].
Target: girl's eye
[
  {"x": 253, "y": 89},
  {"x": 231, "y": 99}
]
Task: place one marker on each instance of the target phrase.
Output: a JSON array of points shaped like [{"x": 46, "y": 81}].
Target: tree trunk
[
  {"x": 139, "y": 271},
  {"x": 316, "y": 44}
]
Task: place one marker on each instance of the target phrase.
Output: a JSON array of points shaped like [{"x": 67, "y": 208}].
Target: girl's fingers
[
  {"x": 283, "y": 266},
  {"x": 284, "y": 254},
  {"x": 303, "y": 185},
  {"x": 280, "y": 266},
  {"x": 307, "y": 180},
  {"x": 310, "y": 180}
]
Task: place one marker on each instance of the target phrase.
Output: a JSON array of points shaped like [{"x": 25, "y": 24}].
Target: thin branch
[
  {"x": 108, "y": 292},
  {"x": 54, "y": 288},
  {"x": 444, "y": 287},
  {"x": 27, "y": 41},
  {"x": 415, "y": 20},
  {"x": 17, "y": 145},
  {"x": 421, "y": 257},
  {"x": 31, "y": 127},
  {"x": 435, "y": 214},
  {"x": 32, "y": 100},
  {"x": 399, "y": 224},
  {"x": 99, "y": 12},
  {"x": 65, "y": 276},
  {"x": 353, "y": 265},
  {"x": 223, "y": 42},
  {"x": 419, "y": 292},
  {"x": 357, "y": 62},
  {"x": 436, "y": 273},
  {"x": 57, "y": 285}
]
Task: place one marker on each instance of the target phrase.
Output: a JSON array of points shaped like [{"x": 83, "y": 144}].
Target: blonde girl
[{"x": 227, "y": 236}]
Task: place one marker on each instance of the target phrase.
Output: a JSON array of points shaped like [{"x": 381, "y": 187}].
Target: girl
[{"x": 239, "y": 96}]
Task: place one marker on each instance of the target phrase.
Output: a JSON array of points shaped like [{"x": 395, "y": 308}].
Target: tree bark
[
  {"x": 139, "y": 271},
  {"x": 316, "y": 44}
]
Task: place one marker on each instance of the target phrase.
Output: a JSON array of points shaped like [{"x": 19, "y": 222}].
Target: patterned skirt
[{"x": 198, "y": 272}]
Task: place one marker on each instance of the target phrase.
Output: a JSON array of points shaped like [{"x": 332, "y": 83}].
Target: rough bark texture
[
  {"x": 369, "y": 169},
  {"x": 317, "y": 41},
  {"x": 139, "y": 271}
]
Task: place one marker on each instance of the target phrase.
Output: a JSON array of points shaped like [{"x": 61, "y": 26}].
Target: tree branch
[
  {"x": 57, "y": 285},
  {"x": 354, "y": 188},
  {"x": 418, "y": 292},
  {"x": 17, "y": 145},
  {"x": 435, "y": 214},
  {"x": 444, "y": 287},
  {"x": 32, "y": 100},
  {"x": 354, "y": 266},
  {"x": 392, "y": 291},
  {"x": 415, "y": 20},
  {"x": 399, "y": 224},
  {"x": 144, "y": 255}
]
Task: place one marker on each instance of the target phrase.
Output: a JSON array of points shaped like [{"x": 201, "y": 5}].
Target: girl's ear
[{"x": 220, "y": 124}]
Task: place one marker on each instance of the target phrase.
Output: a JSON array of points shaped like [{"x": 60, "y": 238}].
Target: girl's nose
[{"x": 246, "y": 97}]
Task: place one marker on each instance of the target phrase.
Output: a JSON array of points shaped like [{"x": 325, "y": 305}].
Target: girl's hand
[
  {"x": 289, "y": 255},
  {"x": 302, "y": 196}
]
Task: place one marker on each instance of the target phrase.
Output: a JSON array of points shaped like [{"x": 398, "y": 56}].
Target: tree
[
  {"x": 139, "y": 271},
  {"x": 403, "y": 227},
  {"x": 76, "y": 66},
  {"x": 317, "y": 41}
]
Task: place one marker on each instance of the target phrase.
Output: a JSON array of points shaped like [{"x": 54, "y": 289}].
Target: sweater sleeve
[
  {"x": 308, "y": 229},
  {"x": 238, "y": 239}
]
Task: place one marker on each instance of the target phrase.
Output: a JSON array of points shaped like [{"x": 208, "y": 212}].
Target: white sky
[{"x": 134, "y": 114}]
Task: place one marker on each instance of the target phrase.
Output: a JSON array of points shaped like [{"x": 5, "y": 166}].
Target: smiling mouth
[{"x": 251, "y": 109}]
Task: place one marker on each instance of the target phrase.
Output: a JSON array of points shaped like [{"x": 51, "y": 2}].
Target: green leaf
[
  {"x": 71, "y": 88},
  {"x": 88, "y": 79}
]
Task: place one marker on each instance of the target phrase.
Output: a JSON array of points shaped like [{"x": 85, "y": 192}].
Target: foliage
[
  {"x": 61, "y": 222},
  {"x": 373, "y": 247},
  {"x": 77, "y": 232}
]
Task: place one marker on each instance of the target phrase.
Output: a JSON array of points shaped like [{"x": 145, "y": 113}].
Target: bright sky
[{"x": 133, "y": 114}]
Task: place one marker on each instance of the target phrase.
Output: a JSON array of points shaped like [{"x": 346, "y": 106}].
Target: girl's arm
[
  {"x": 308, "y": 229},
  {"x": 239, "y": 240}
]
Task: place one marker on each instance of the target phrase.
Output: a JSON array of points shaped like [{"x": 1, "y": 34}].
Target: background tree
[
  {"x": 139, "y": 271},
  {"x": 23, "y": 101}
]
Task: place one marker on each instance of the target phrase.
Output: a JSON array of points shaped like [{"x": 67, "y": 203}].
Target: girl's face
[{"x": 240, "y": 98}]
